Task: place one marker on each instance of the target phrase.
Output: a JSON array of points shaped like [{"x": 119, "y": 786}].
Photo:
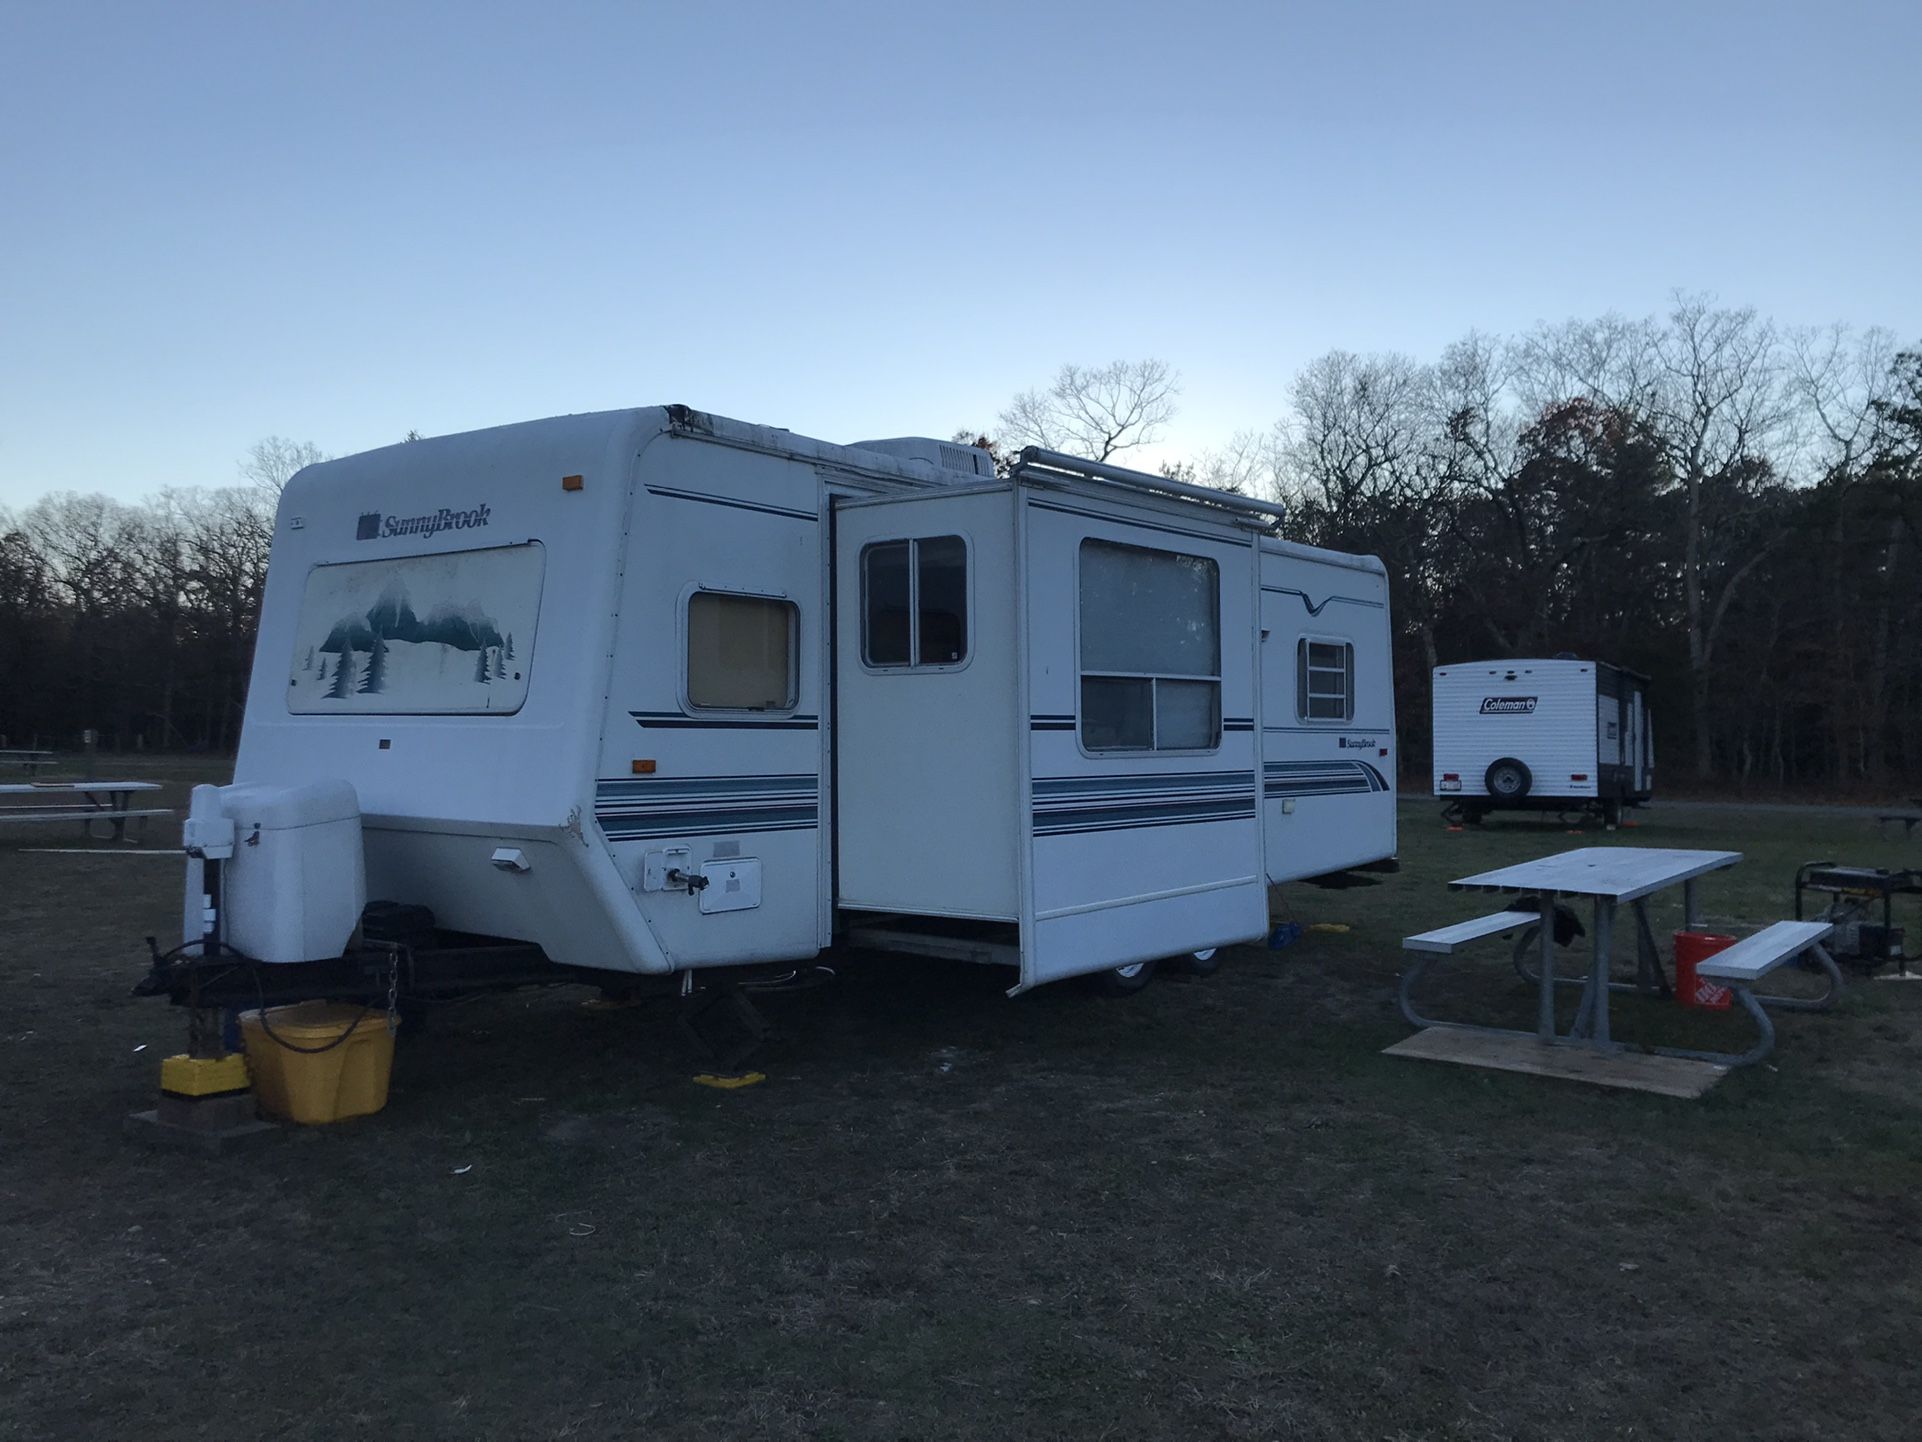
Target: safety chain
[{"x": 393, "y": 991}]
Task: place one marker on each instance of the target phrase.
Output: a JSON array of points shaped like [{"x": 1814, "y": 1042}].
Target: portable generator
[{"x": 1861, "y": 903}]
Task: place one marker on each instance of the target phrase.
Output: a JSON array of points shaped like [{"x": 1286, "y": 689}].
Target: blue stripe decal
[
  {"x": 641, "y": 807},
  {"x": 644, "y": 789},
  {"x": 707, "y": 823},
  {"x": 1315, "y": 608},
  {"x": 1329, "y": 728},
  {"x": 1202, "y": 783},
  {"x": 1067, "y": 823},
  {"x": 738, "y": 505},
  {"x": 1320, "y": 778},
  {"x": 677, "y": 720},
  {"x": 1067, "y": 805}
]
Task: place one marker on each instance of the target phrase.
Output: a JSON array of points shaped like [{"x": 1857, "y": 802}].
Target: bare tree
[
  {"x": 90, "y": 545},
  {"x": 270, "y": 463},
  {"x": 1249, "y": 465},
  {"x": 1840, "y": 382},
  {"x": 1094, "y": 411},
  {"x": 1361, "y": 457},
  {"x": 1710, "y": 384},
  {"x": 1357, "y": 427}
]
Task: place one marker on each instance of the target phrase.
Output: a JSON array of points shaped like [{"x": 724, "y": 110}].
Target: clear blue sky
[{"x": 336, "y": 221}]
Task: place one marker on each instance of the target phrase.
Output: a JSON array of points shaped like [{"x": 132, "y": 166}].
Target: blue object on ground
[{"x": 1286, "y": 932}]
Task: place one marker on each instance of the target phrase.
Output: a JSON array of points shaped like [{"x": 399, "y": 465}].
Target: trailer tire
[
  {"x": 1197, "y": 963},
  {"x": 1123, "y": 980},
  {"x": 1508, "y": 779}
]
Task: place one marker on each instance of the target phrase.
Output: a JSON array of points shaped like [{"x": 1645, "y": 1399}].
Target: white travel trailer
[
  {"x": 1554, "y": 735},
  {"x": 654, "y": 691}
]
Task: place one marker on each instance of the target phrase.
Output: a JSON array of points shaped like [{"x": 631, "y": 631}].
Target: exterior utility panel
[
  {"x": 1541, "y": 734},
  {"x": 658, "y": 690}
]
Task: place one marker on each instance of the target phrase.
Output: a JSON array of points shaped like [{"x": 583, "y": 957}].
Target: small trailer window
[
  {"x": 444, "y": 634},
  {"x": 1324, "y": 680},
  {"x": 1150, "y": 649},
  {"x": 740, "y": 652},
  {"x": 914, "y": 603}
]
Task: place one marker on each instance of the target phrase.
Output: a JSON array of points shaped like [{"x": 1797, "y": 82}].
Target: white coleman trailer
[
  {"x": 652, "y": 691},
  {"x": 1551, "y": 735}
]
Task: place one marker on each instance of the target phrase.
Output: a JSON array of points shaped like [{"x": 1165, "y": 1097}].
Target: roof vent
[{"x": 949, "y": 459}]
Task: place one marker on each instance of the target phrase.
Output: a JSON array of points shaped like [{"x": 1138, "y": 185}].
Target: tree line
[
  {"x": 1728, "y": 505},
  {"x": 136, "y": 621}
]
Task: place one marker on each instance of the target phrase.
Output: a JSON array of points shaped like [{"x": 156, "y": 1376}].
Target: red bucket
[{"x": 1692, "y": 948}]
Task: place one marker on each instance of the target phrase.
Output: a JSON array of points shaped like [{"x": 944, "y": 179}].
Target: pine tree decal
[
  {"x": 343, "y": 686},
  {"x": 374, "y": 680},
  {"x": 500, "y": 664},
  {"x": 507, "y": 649},
  {"x": 480, "y": 667},
  {"x": 323, "y": 671},
  {"x": 308, "y": 664}
]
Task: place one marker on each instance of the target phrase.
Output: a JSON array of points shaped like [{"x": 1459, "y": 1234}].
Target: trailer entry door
[{"x": 925, "y": 761}]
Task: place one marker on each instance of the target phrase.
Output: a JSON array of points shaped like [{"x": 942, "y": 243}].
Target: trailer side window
[
  {"x": 914, "y": 602},
  {"x": 1150, "y": 649},
  {"x": 1324, "y": 680},
  {"x": 740, "y": 651}
]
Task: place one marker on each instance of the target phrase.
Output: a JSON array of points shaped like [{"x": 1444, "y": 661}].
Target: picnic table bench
[
  {"x": 1608, "y": 877},
  {"x": 87, "y": 802},
  {"x": 1740, "y": 966},
  {"x": 1909, "y": 819},
  {"x": 28, "y": 761}
]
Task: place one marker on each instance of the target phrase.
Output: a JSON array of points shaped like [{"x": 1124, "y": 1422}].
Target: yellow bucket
[{"x": 314, "y": 1086}]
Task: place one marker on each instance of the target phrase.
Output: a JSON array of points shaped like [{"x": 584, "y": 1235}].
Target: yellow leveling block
[
  {"x": 205, "y": 1102},
  {"x": 203, "y": 1076}
]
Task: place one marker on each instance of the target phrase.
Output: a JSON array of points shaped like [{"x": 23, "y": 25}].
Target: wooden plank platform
[{"x": 1669, "y": 1076}]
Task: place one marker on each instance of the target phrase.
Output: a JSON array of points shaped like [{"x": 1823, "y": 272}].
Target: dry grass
[{"x": 1214, "y": 1210}]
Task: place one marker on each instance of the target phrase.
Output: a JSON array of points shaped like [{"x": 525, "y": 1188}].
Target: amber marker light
[
  {"x": 573, "y": 483},
  {"x": 644, "y": 768}
]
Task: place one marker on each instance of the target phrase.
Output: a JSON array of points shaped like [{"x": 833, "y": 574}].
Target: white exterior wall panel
[{"x": 1328, "y": 785}]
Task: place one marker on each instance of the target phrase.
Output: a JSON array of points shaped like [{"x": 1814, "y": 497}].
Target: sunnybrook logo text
[{"x": 374, "y": 525}]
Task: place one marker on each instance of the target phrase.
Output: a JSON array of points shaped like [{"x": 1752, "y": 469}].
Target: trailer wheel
[
  {"x": 1197, "y": 963},
  {"x": 1508, "y": 779},
  {"x": 1123, "y": 980}
]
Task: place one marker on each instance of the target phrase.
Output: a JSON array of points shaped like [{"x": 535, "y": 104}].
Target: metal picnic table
[
  {"x": 91, "y": 800},
  {"x": 1608, "y": 876}
]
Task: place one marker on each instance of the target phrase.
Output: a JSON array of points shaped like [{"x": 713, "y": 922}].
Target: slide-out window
[
  {"x": 1150, "y": 649},
  {"x": 444, "y": 634},
  {"x": 1324, "y": 680},
  {"x": 740, "y": 651},
  {"x": 914, "y": 603}
]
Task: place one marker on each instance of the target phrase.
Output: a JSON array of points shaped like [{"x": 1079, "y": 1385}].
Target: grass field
[{"x": 1212, "y": 1210}]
